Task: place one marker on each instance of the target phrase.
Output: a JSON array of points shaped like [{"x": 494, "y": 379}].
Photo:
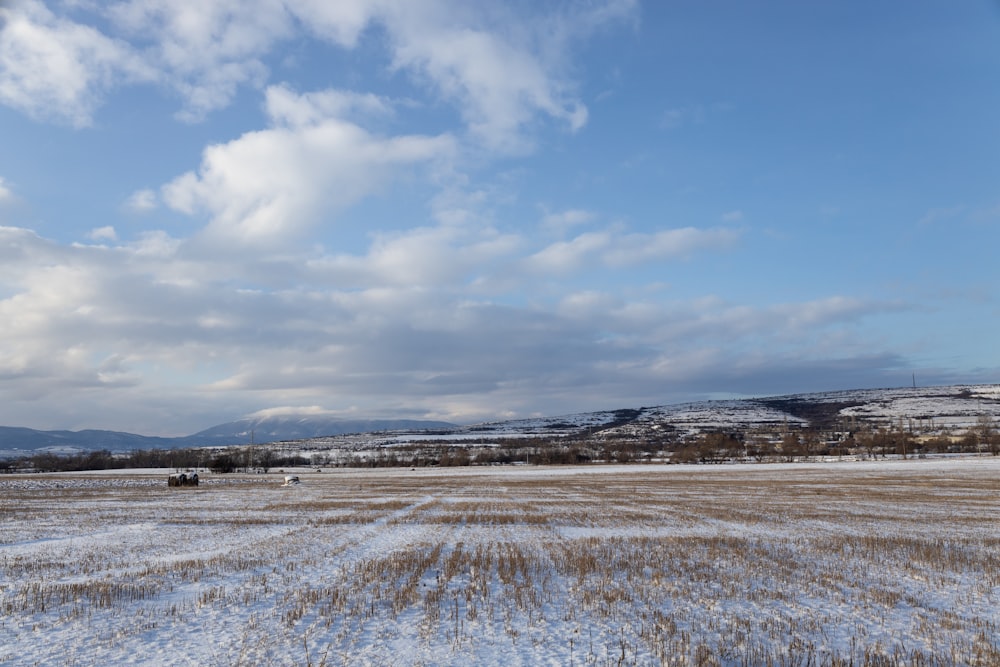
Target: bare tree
[{"x": 986, "y": 435}]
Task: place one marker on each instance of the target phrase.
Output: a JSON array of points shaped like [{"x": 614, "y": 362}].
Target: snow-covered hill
[
  {"x": 931, "y": 410},
  {"x": 937, "y": 409}
]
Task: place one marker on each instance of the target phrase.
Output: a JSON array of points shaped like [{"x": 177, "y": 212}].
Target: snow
[
  {"x": 943, "y": 408},
  {"x": 928, "y": 410},
  {"x": 644, "y": 564}
]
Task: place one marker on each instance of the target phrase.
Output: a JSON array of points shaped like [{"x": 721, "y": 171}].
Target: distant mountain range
[
  {"x": 18, "y": 441},
  {"x": 15, "y": 441},
  {"x": 934, "y": 409},
  {"x": 273, "y": 429}
]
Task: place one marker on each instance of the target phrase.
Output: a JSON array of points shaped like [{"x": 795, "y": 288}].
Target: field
[{"x": 889, "y": 563}]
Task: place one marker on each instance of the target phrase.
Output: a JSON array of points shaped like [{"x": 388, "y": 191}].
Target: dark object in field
[{"x": 183, "y": 479}]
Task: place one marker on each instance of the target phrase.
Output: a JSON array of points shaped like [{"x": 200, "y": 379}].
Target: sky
[{"x": 475, "y": 211}]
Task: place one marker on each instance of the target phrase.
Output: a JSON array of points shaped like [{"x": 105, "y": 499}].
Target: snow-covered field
[{"x": 837, "y": 563}]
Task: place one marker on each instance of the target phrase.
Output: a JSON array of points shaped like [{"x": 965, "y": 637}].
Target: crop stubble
[{"x": 783, "y": 565}]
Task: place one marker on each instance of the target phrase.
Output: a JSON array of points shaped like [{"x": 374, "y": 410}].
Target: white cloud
[
  {"x": 141, "y": 201},
  {"x": 565, "y": 220},
  {"x": 288, "y": 108},
  {"x": 829, "y": 310},
  {"x": 205, "y": 49},
  {"x": 151, "y": 319},
  {"x": 106, "y": 233},
  {"x": 433, "y": 318},
  {"x": 502, "y": 70},
  {"x": 567, "y": 256},
  {"x": 497, "y": 85},
  {"x": 613, "y": 249},
  {"x": 52, "y": 68},
  {"x": 432, "y": 257},
  {"x": 588, "y": 304},
  {"x": 21, "y": 247},
  {"x": 715, "y": 321},
  {"x": 157, "y": 244},
  {"x": 271, "y": 184},
  {"x": 5, "y": 192},
  {"x": 668, "y": 244},
  {"x": 293, "y": 411},
  {"x": 339, "y": 22}
]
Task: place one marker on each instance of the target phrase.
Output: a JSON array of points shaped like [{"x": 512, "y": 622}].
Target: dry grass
[{"x": 750, "y": 566}]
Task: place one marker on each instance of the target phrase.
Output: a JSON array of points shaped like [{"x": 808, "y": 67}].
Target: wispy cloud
[
  {"x": 936, "y": 215},
  {"x": 501, "y": 72},
  {"x": 204, "y": 50},
  {"x": 692, "y": 114},
  {"x": 141, "y": 201},
  {"x": 613, "y": 248},
  {"x": 106, "y": 233},
  {"x": 986, "y": 215},
  {"x": 562, "y": 221}
]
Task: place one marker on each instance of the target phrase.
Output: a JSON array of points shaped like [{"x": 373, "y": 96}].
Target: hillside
[
  {"x": 928, "y": 410},
  {"x": 16, "y": 441},
  {"x": 935, "y": 410},
  {"x": 19, "y": 441},
  {"x": 932, "y": 410},
  {"x": 273, "y": 429}
]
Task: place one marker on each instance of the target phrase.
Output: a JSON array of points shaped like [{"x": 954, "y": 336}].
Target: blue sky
[{"x": 475, "y": 211}]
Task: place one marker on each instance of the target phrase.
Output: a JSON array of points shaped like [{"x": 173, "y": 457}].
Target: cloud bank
[{"x": 232, "y": 287}]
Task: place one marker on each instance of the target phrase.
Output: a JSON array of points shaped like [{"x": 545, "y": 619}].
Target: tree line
[
  {"x": 216, "y": 460},
  {"x": 664, "y": 445}
]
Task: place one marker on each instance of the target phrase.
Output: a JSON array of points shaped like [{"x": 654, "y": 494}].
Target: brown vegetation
[{"x": 714, "y": 566}]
